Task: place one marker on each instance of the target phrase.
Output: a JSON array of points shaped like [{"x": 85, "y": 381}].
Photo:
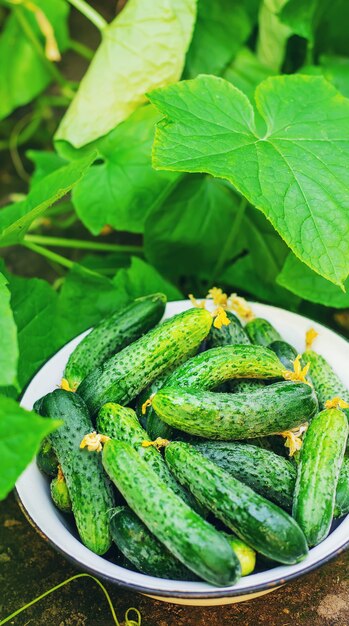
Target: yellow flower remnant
[
  {"x": 294, "y": 438},
  {"x": 94, "y": 442},
  {"x": 218, "y": 296},
  {"x": 310, "y": 337},
  {"x": 299, "y": 373},
  {"x": 195, "y": 302},
  {"x": 158, "y": 443},
  {"x": 52, "y": 52},
  {"x": 241, "y": 307},
  {"x": 147, "y": 403},
  {"x": 65, "y": 385},
  {"x": 336, "y": 403},
  {"x": 60, "y": 475},
  {"x": 220, "y": 318}
]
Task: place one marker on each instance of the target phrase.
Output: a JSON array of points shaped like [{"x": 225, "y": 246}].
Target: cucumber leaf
[
  {"x": 8, "y": 337},
  {"x": 143, "y": 48},
  {"x": 16, "y": 219},
  {"x": 246, "y": 72},
  {"x": 221, "y": 28},
  {"x": 120, "y": 190},
  {"x": 336, "y": 70},
  {"x": 21, "y": 433},
  {"x": 301, "y": 280},
  {"x": 185, "y": 234},
  {"x": 23, "y": 70},
  {"x": 141, "y": 279},
  {"x": 294, "y": 170}
]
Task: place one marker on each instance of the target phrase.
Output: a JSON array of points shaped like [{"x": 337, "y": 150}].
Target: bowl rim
[{"x": 212, "y": 593}]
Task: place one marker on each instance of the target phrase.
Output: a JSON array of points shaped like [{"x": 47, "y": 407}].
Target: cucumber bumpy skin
[
  {"x": 225, "y": 416},
  {"x": 88, "y": 487},
  {"x": 342, "y": 493},
  {"x": 112, "y": 334},
  {"x": 118, "y": 422},
  {"x": 192, "y": 540},
  {"x": 318, "y": 472},
  {"x": 262, "y": 524},
  {"x": 285, "y": 352},
  {"x": 122, "y": 378},
  {"x": 261, "y": 332},
  {"x": 326, "y": 382},
  {"x": 267, "y": 473},
  {"x": 229, "y": 335}
]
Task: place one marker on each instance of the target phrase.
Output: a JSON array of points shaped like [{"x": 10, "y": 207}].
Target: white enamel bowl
[{"x": 34, "y": 496}]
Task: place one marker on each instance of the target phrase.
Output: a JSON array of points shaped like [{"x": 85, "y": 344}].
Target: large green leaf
[
  {"x": 295, "y": 170},
  {"x": 23, "y": 71},
  {"x": 336, "y": 70},
  {"x": 16, "y": 219},
  {"x": 185, "y": 234},
  {"x": 302, "y": 281},
  {"x": 20, "y": 435},
  {"x": 221, "y": 28},
  {"x": 141, "y": 279},
  {"x": 45, "y": 163},
  {"x": 120, "y": 190},
  {"x": 143, "y": 48},
  {"x": 8, "y": 337}
]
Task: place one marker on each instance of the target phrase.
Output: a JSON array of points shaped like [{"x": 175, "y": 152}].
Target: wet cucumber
[
  {"x": 262, "y": 524},
  {"x": 192, "y": 540},
  {"x": 212, "y": 368},
  {"x": 271, "y": 409},
  {"x": 244, "y": 384},
  {"x": 142, "y": 549},
  {"x": 285, "y": 352},
  {"x": 231, "y": 334},
  {"x": 88, "y": 486},
  {"x": 261, "y": 332},
  {"x": 268, "y": 474},
  {"x": 112, "y": 334},
  {"x": 60, "y": 494},
  {"x": 46, "y": 459},
  {"x": 118, "y": 422},
  {"x": 318, "y": 472},
  {"x": 122, "y": 378},
  {"x": 326, "y": 382}
]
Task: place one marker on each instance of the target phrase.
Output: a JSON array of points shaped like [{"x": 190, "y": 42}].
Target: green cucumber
[
  {"x": 60, "y": 494},
  {"x": 268, "y": 474},
  {"x": 285, "y": 352},
  {"x": 342, "y": 493},
  {"x": 46, "y": 459},
  {"x": 142, "y": 549},
  {"x": 89, "y": 489},
  {"x": 192, "y": 540},
  {"x": 118, "y": 422},
  {"x": 122, "y": 378},
  {"x": 261, "y": 332},
  {"x": 318, "y": 472},
  {"x": 245, "y": 554},
  {"x": 271, "y": 409},
  {"x": 112, "y": 334},
  {"x": 214, "y": 367},
  {"x": 262, "y": 524},
  {"x": 326, "y": 382},
  {"x": 229, "y": 335},
  {"x": 244, "y": 384}
]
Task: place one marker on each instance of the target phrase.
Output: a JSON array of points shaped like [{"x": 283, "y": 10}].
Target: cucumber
[
  {"x": 262, "y": 524},
  {"x": 212, "y": 368},
  {"x": 142, "y": 549},
  {"x": 271, "y": 409},
  {"x": 261, "y": 332},
  {"x": 192, "y": 540},
  {"x": 229, "y": 335},
  {"x": 244, "y": 384},
  {"x": 245, "y": 554},
  {"x": 270, "y": 475},
  {"x": 123, "y": 376},
  {"x": 46, "y": 459},
  {"x": 326, "y": 382},
  {"x": 342, "y": 493},
  {"x": 60, "y": 494},
  {"x": 285, "y": 352},
  {"x": 318, "y": 472},
  {"x": 112, "y": 334},
  {"x": 89, "y": 489},
  {"x": 121, "y": 423}
]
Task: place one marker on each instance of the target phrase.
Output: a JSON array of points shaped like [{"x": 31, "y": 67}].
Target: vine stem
[
  {"x": 230, "y": 238},
  {"x": 91, "y": 14},
  {"x": 81, "y": 49},
  {"x": 80, "y": 244},
  {"x": 48, "y": 254},
  {"x": 128, "y": 622}
]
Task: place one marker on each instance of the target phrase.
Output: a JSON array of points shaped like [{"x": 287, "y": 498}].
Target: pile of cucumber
[{"x": 195, "y": 483}]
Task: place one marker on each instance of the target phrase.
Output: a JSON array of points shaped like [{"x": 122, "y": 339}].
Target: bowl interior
[{"x": 33, "y": 488}]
